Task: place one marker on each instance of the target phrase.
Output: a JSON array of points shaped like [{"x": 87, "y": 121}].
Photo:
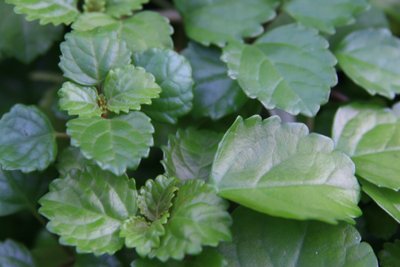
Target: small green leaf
[
  {"x": 119, "y": 8},
  {"x": 174, "y": 75},
  {"x": 283, "y": 170},
  {"x": 87, "y": 57},
  {"x": 190, "y": 154},
  {"x": 370, "y": 58},
  {"x": 220, "y": 21},
  {"x": 79, "y": 100},
  {"x": 155, "y": 197},
  {"x": 128, "y": 88},
  {"x": 215, "y": 94},
  {"x": 13, "y": 254},
  {"x": 114, "y": 144},
  {"x": 88, "y": 260},
  {"x": 290, "y": 67},
  {"x": 260, "y": 240},
  {"x": 390, "y": 255},
  {"x": 26, "y": 133},
  {"x": 326, "y": 14},
  {"x": 47, "y": 11},
  {"x": 87, "y": 209},
  {"x": 71, "y": 159},
  {"x": 92, "y": 20}
]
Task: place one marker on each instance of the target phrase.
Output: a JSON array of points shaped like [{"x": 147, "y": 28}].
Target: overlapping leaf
[
  {"x": 25, "y": 133},
  {"x": 118, "y": 8},
  {"x": 13, "y": 254},
  {"x": 71, "y": 159},
  {"x": 92, "y": 20},
  {"x": 282, "y": 170}
]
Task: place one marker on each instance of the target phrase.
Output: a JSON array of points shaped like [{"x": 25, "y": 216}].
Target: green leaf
[
  {"x": 88, "y": 260},
  {"x": 79, "y": 100},
  {"x": 114, "y": 144},
  {"x": 174, "y": 75},
  {"x": 327, "y": 14},
  {"x": 25, "y": 133},
  {"x": 190, "y": 154},
  {"x": 71, "y": 159},
  {"x": 22, "y": 39},
  {"x": 92, "y": 20},
  {"x": 155, "y": 197},
  {"x": 290, "y": 67},
  {"x": 47, "y": 11},
  {"x": 198, "y": 217},
  {"x": 220, "y": 21},
  {"x": 119, "y": 8},
  {"x": 19, "y": 191},
  {"x": 215, "y": 94},
  {"x": 282, "y": 170},
  {"x": 87, "y": 57},
  {"x": 128, "y": 88},
  {"x": 371, "y": 136},
  {"x": 370, "y": 58},
  {"x": 390, "y": 255},
  {"x": 87, "y": 209},
  {"x": 282, "y": 243},
  {"x": 47, "y": 252},
  {"x": 13, "y": 254}
]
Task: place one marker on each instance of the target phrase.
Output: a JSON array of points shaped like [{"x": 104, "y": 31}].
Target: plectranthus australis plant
[{"x": 257, "y": 133}]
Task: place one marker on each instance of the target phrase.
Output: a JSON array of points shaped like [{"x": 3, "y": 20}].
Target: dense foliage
[{"x": 199, "y": 133}]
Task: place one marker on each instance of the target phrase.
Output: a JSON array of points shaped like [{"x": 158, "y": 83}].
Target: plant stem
[
  {"x": 43, "y": 76},
  {"x": 339, "y": 96},
  {"x": 171, "y": 14},
  {"x": 62, "y": 135}
]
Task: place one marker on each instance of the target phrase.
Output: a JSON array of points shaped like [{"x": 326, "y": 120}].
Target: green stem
[
  {"x": 62, "y": 135},
  {"x": 43, "y": 76}
]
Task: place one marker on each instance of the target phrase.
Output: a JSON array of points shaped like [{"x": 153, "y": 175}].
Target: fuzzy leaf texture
[
  {"x": 87, "y": 208},
  {"x": 283, "y": 170},
  {"x": 25, "y": 133}
]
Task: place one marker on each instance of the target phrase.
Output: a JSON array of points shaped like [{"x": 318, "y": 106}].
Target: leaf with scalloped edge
[
  {"x": 119, "y": 8},
  {"x": 174, "y": 75},
  {"x": 220, "y": 21},
  {"x": 92, "y": 20},
  {"x": 25, "y": 133},
  {"x": 13, "y": 254},
  {"x": 155, "y": 197},
  {"x": 87, "y": 208},
  {"x": 79, "y": 100},
  {"x": 88, "y": 56},
  {"x": 114, "y": 144},
  {"x": 370, "y": 58},
  {"x": 283, "y": 170},
  {"x": 128, "y": 88},
  {"x": 47, "y": 11},
  {"x": 325, "y": 15},
  {"x": 289, "y": 67}
]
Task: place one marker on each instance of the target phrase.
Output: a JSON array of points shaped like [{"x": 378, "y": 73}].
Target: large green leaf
[
  {"x": 19, "y": 191},
  {"x": 114, "y": 144},
  {"x": 290, "y": 67},
  {"x": 118, "y": 8},
  {"x": 215, "y": 94},
  {"x": 283, "y": 243},
  {"x": 390, "y": 255},
  {"x": 79, "y": 100},
  {"x": 27, "y": 140},
  {"x": 371, "y": 136},
  {"x": 326, "y": 14},
  {"x": 22, "y": 39},
  {"x": 174, "y": 75},
  {"x": 13, "y": 254},
  {"x": 282, "y": 170},
  {"x": 219, "y": 21},
  {"x": 87, "y": 57},
  {"x": 128, "y": 88},
  {"x": 87, "y": 208},
  {"x": 189, "y": 154},
  {"x": 47, "y": 11},
  {"x": 370, "y": 58}
]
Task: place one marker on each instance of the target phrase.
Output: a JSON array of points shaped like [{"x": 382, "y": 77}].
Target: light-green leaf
[
  {"x": 92, "y": 20},
  {"x": 87, "y": 208},
  {"x": 79, "y": 100},
  {"x": 290, "y": 67},
  {"x": 47, "y": 11},
  {"x": 390, "y": 255},
  {"x": 283, "y": 170},
  {"x": 13, "y": 254},
  {"x": 190, "y": 154},
  {"x": 174, "y": 75},
  {"x": 118, "y": 8},
  {"x": 219, "y": 21},
  {"x": 370, "y": 58},
  {"x": 215, "y": 94},
  {"x": 325, "y": 15},
  {"x": 128, "y": 88},
  {"x": 283, "y": 243},
  {"x": 114, "y": 144},
  {"x": 71, "y": 159},
  {"x": 87, "y": 57},
  {"x": 27, "y": 139}
]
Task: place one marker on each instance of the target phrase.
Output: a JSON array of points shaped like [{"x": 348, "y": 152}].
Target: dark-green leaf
[{"x": 13, "y": 254}]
